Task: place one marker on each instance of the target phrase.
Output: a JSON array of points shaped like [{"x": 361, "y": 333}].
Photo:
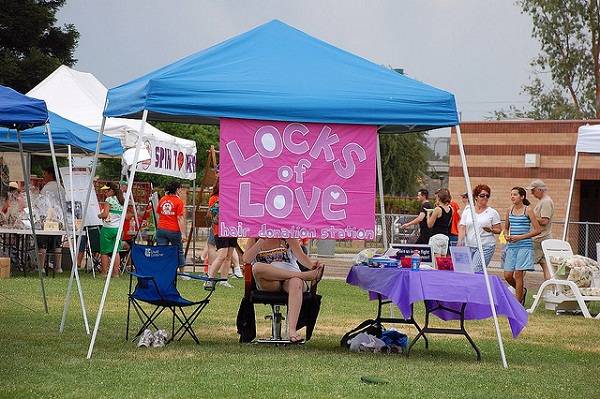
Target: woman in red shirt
[{"x": 171, "y": 220}]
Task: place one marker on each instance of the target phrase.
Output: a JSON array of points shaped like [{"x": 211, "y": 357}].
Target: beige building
[{"x": 497, "y": 152}]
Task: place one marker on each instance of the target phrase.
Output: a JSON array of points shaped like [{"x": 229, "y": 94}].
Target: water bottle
[{"x": 415, "y": 261}]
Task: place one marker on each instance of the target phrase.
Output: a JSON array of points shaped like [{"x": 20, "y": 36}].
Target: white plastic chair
[{"x": 554, "y": 298}]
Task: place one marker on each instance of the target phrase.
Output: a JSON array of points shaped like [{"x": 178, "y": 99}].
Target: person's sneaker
[
  {"x": 237, "y": 272},
  {"x": 225, "y": 284},
  {"x": 209, "y": 285},
  {"x": 146, "y": 339},
  {"x": 160, "y": 338}
]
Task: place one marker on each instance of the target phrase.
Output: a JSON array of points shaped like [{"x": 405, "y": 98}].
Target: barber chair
[{"x": 246, "y": 321}]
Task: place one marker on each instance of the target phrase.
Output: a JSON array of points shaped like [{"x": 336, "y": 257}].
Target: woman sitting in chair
[{"x": 275, "y": 269}]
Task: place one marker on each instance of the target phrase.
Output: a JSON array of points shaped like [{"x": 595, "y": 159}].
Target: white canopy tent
[
  {"x": 588, "y": 141},
  {"x": 80, "y": 97}
]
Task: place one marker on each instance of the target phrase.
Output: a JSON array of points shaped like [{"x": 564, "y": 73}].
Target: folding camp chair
[{"x": 156, "y": 273}]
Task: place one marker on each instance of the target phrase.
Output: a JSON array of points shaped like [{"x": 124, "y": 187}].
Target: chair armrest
[
  {"x": 202, "y": 278},
  {"x": 248, "y": 280},
  {"x": 140, "y": 276}
]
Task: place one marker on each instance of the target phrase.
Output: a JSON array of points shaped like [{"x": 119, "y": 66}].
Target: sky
[{"x": 477, "y": 49}]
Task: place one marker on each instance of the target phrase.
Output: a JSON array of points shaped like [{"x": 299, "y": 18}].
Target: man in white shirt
[
  {"x": 52, "y": 197},
  {"x": 544, "y": 211}
]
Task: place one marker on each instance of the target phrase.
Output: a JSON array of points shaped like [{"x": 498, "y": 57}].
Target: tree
[
  {"x": 569, "y": 36},
  {"x": 403, "y": 161},
  {"x": 31, "y": 46}
]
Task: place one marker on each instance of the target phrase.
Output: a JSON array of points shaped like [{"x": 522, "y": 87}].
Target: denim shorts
[
  {"x": 167, "y": 237},
  {"x": 519, "y": 258}
]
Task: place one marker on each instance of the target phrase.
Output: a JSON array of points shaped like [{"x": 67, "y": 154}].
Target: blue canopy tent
[
  {"x": 64, "y": 133},
  {"x": 276, "y": 72},
  {"x": 20, "y": 112}
]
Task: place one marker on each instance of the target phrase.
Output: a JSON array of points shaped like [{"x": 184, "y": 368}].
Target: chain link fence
[{"x": 583, "y": 236}]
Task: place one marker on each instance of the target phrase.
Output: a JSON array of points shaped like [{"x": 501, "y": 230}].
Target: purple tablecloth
[{"x": 405, "y": 287}]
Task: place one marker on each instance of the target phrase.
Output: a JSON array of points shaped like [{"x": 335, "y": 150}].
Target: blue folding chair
[{"x": 156, "y": 273}]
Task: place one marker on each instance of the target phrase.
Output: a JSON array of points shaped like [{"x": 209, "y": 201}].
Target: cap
[
  {"x": 123, "y": 182},
  {"x": 13, "y": 184},
  {"x": 105, "y": 187},
  {"x": 536, "y": 184},
  {"x": 465, "y": 194}
]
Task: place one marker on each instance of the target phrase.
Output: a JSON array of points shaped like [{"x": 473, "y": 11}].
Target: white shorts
[{"x": 279, "y": 265}]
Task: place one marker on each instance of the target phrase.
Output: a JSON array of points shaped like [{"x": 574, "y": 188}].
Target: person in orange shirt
[
  {"x": 171, "y": 220},
  {"x": 453, "y": 237}
]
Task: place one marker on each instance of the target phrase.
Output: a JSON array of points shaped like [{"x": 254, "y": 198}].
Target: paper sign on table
[{"x": 461, "y": 259}]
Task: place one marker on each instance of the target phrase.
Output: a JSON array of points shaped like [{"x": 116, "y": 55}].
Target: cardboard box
[{"x": 4, "y": 267}]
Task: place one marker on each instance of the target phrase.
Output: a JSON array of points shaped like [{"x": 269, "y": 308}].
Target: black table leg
[
  {"x": 457, "y": 331},
  {"x": 379, "y": 320}
]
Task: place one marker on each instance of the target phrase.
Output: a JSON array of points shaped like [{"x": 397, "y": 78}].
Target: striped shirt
[{"x": 520, "y": 224}]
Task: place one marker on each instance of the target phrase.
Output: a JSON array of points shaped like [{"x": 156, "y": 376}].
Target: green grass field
[{"x": 555, "y": 357}]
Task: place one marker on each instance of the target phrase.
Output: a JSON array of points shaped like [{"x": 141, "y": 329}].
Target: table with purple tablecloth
[{"x": 447, "y": 295}]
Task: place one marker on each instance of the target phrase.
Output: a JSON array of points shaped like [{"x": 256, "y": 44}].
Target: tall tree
[
  {"x": 569, "y": 36},
  {"x": 403, "y": 161},
  {"x": 31, "y": 46}
]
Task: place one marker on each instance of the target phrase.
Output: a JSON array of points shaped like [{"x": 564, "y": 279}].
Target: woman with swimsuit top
[
  {"x": 274, "y": 271},
  {"x": 520, "y": 225}
]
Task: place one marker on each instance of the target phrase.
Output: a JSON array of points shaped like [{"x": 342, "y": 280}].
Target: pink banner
[{"x": 297, "y": 180}]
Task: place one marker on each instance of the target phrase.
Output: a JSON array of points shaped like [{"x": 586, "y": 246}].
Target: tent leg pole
[
  {"x": 463, "y": 160},
  {"x": 31, "y": 220},
  {"x": 381, "y": 199},
  {"x": 570, "y": 199},
  {"x": 83, "y": 218},
  {"x": 193, "y": 226},
  {"x": 119, "y": 233},
  {"x": 70, "y": 235}
]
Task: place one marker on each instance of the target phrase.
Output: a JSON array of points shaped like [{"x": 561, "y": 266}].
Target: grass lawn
[{"x": 555, "y": 356}]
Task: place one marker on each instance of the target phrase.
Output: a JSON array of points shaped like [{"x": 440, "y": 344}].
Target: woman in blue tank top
[{"x": 520, "y": 225}]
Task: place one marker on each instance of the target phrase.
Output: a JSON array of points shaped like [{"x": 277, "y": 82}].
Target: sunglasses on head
[{"x": 484, "y": 196}]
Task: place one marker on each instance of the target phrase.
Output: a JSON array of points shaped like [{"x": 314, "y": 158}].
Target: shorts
[
  {"x": 538, "y": 252},
  {"x": 108, "y": 239},
  {"x": 283, "y": 266},
  {"x": 520, "y": 258},
  {"x": 167, "y": 237},
  {"x": 225, "y": 242}
]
